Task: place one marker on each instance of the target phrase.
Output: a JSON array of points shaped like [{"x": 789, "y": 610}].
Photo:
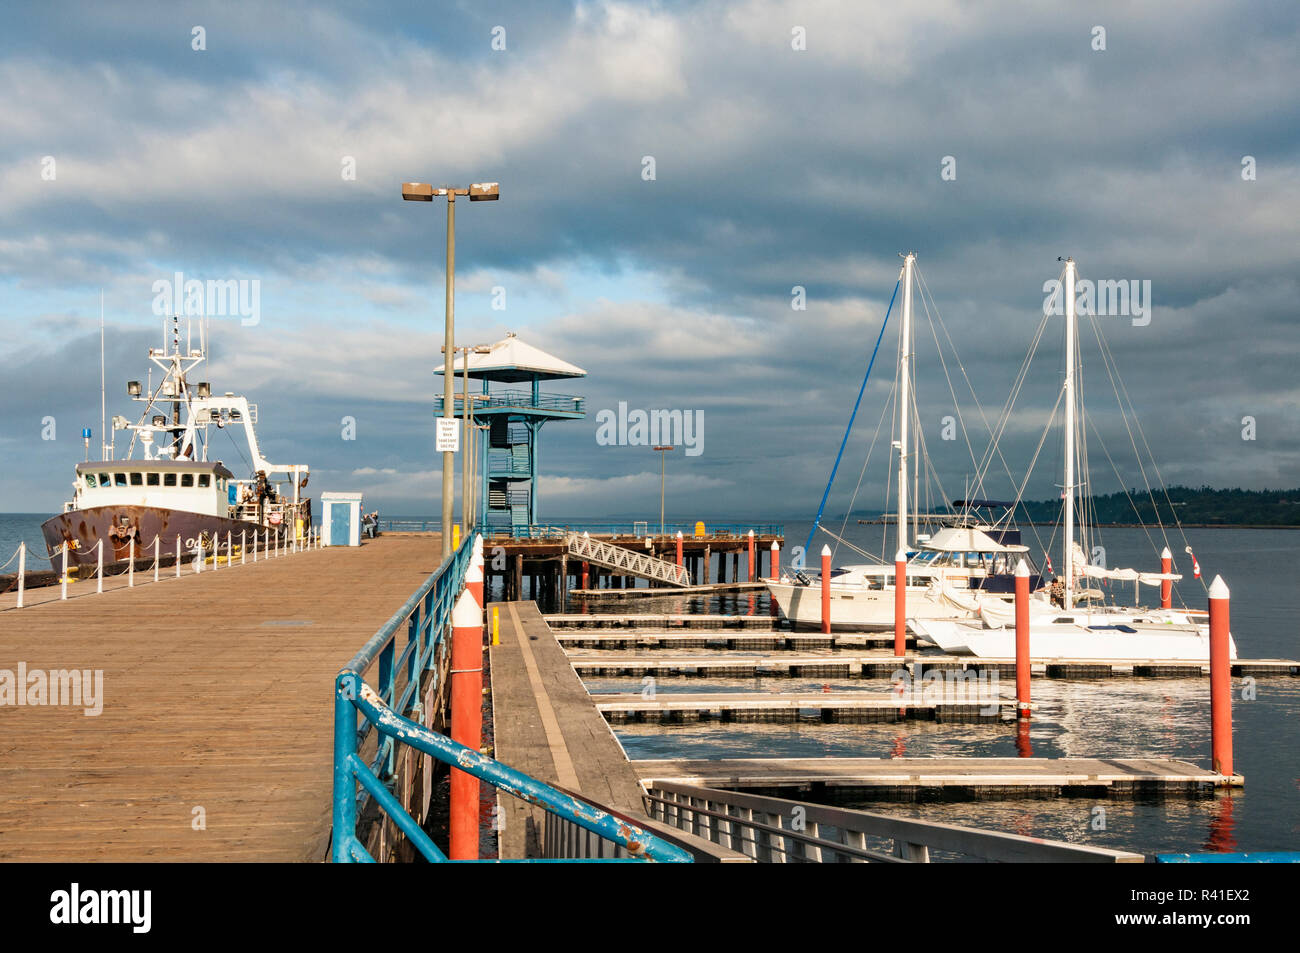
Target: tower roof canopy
[{"x": 510, "y": 359}]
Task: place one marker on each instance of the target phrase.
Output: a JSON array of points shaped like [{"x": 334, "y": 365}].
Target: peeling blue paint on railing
[{"x": 427, "y": 617}]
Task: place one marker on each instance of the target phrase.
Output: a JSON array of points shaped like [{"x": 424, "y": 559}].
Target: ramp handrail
[
  {"x": 766, "y": 829},
  {"x": 620, "y": 557}
]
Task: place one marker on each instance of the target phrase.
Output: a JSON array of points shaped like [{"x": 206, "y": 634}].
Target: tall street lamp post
[
  {"x": 423, "y": 192},
  {"x": 662, "y": 451}
]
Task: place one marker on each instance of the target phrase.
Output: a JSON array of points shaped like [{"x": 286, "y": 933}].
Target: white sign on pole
[{"x": 448, "y": 435}]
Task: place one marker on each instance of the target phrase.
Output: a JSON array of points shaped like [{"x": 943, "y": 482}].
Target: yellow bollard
[
  {"x": 496, "y": 626},
  {"x": 455, "y": 536}
]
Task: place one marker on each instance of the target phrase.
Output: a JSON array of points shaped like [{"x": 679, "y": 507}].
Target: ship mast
[
  {"x": 904, "y": 397},
  {"x": 1068, "y": 490}
]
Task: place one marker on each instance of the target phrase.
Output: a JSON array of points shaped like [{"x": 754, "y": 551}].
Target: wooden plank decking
[{"x": 217, "y": 695}]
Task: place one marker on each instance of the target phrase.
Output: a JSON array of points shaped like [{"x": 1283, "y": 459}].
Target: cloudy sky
[{"x": 801, "y": 144}]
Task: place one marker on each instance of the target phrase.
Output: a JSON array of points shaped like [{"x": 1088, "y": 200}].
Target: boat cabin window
[
  {"x": 169, "y": 479},
  {"x": 91, "y": 480},
  {"x": 104, "y": 480},
  {"x": 151, "y": 479},
  {"x": 119, "y": 479},
  {"x": 187, "y": 479},
  {"x": 137, "y": 479},
  {"x": 204, "y": 479}
]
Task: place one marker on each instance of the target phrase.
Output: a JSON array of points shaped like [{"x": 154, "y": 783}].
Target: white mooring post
[
  {"x": 243, "y": 551},
  {"x": 63, "y": 575},
  {"x": 198, "y": 558},
  {"x": 22, "y": 571},
  {"x": 99, "y": 566},
  {"x": 130, "y": 567},
  {"x": 178, "y": 555},
  {"x": 230, "y": 552},
  {"x": 157, "y": 555}
]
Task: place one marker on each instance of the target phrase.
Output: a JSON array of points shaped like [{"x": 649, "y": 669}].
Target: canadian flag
[
  {"x": 1196, "y": 567},
  {"x": 1049, "y": 563}
]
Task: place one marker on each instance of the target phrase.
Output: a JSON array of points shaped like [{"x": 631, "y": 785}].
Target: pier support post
[
  {"x": 774, "y": 564},
  {"x": 1220, "y": 680},
  {"x": 752, "y": 568},
  {"x": 1166, "y": 585},
  {"x": 900, "y": 603},
  {"x": 708, "y": 564},
  {"x": 466, "y": 722},
  {"x": 679, "y": 547},
  {"x": 519, "y": 576},
  {"x": 826, "y": 590},
  {"x": 1022, "y": 640},
  {"x": 586, "y": 569}
]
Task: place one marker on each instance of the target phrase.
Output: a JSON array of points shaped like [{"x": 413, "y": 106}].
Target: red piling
[
  {"x": 1167, "y": 585},
  {"x": 679, "y": 548},
  {"x": 900, "y": 603},
  {"x": 826, "y": 590},
  {"x": 466, "y": 721},
  {"x": 752, "y": 572},
  {"x": 1220, "y": 680},
  {"x": 1022, "y": 640},
  {"x": 775, "y": 561}
]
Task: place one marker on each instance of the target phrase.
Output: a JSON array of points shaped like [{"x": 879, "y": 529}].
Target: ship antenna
[{"x": 103, "y": 412}]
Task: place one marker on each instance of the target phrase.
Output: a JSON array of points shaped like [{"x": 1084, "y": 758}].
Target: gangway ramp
[{"x": 625, "y": 560}]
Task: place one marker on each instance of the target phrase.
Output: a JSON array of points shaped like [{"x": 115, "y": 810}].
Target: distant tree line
[{"x": 1181, "y": 504}]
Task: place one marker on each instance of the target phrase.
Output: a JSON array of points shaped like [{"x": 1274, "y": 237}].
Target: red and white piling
[
  {"x": 474, "y": 574},
  {"x": 586, "y": 567},
  {"x": 774, "y": 563},
  {"x": 1166, "y": 585},
  {"x": 1220, "y": 680},
  {"x": 679, "y": 548},
  {"x": 466, "y": 721},
  {"x": 826, "y": 590},
  {"x": 900, "y": 603},
  {"x": 1022, "y": 640},
  {"x": 753, "y": 575}
]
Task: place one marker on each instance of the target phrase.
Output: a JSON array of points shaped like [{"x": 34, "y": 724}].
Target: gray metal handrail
[{"x": 778, "y": 830}]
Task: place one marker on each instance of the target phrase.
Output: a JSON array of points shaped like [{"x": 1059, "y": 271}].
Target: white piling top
[
  {"x": 1218, "y": 588},
  {"x": 826, "y": 550},
  {"x": 679, "y": 534},
  {"x": 751, "y": 532},
  {"x": 1166, "y": 554},
  {"x": 900, "y": 556},
  {"x": 774, "y": 545},
  {"x": 466, "y": 614},
  {"x": 1022, "y": 569}
]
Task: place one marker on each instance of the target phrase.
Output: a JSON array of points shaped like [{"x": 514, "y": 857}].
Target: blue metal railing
[
  {"x": 502, "y": 399},
  {"x": 426, "y": 616}
]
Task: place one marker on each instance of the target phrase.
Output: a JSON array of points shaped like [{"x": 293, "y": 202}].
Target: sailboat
[
  {"x": 1073, "y": 625},
  {"x": 942, "y": 568}
]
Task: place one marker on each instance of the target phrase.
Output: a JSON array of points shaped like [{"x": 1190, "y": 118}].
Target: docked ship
[{"x": 166, "y": 490}]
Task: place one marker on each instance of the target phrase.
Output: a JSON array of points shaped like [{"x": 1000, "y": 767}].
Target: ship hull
[{"x": 118, "y": 526}]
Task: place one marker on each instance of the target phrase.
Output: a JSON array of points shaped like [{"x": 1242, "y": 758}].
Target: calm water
[{"x": 1118, "y": 718}]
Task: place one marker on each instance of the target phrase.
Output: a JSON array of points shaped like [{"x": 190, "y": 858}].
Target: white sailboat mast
[
  {"x": 1069, "y": 435},
  {"x": 904, "y": 397}
]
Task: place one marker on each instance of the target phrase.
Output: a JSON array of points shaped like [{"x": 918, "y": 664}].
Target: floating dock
[
  {"x": 666, "y": 708},
  {"x": 837, "y": 780}
]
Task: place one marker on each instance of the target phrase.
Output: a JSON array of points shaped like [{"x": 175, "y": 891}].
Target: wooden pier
[
  {"x": 215, "y": 739},
  {"x": 659, "y": 620}
]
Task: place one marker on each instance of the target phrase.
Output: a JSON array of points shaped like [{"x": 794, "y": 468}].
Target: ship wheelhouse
[{"x": 191, "y": 486}]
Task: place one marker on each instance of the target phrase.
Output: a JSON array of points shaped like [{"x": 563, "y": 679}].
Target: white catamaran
[{"x": 1072, "y": 623}]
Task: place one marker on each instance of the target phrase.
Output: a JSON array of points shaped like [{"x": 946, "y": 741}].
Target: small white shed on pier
[{"x": 341, "y": 519}]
